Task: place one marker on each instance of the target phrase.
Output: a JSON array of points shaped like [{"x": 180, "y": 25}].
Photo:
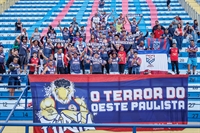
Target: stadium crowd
[{"x": 109, "y": 50}]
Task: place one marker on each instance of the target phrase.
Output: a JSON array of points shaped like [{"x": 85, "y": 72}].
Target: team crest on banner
[
  {"x": 156, "y": 45},
  {"x": 150, "y": 59}
]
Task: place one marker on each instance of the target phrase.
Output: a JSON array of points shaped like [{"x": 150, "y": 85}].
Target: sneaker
[{"x": 188, "y": 73}]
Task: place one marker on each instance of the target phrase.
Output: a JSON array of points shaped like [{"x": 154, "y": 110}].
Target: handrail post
[
  {"x": 27, "y": 129},
  {"x": 26, "y": 94},
  {"x": 134, "y": 129}
]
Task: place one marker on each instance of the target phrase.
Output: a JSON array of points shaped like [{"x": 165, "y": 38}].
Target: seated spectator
[
  {"x": 196, "y": 29},
  {"x": 18, "y": 26},
  {"x": 158, "y": 32},
  {"x": 177, "y": 20}
]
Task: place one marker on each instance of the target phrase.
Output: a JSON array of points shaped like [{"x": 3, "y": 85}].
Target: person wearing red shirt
[
  {"x": 158, "y": 32},
  {"x": 173, "y": 52},
  {"x": 34, "y": 64},
  {"x": 122, "y": 59}
]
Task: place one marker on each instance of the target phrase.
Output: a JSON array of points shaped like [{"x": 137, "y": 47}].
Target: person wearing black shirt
[
  {"x": 18, "y": 26},
  {"x": 12, "y": 56},
  {"x": 156, "y": 26}
]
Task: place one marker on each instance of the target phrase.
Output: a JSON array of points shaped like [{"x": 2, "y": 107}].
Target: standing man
[
  {"x": 192, "y": 56},
  {"x": 59, "y": 56},
  {"x": 173, "y": 52}
]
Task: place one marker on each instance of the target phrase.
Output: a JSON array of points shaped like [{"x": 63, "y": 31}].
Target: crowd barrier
[{"x": 192, "y": 8}]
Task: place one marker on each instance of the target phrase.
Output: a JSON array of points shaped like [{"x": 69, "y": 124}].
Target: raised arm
[
  {"x": 128, "y": 19},
  {"x": 139, "y": 20}
]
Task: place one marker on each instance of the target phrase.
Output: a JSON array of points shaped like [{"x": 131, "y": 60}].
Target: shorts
[
  {"x": 2, "y": 69},
  {"x": 23, "y": 60},
  {"x": 12, "y": 81},
  {"x": 192, "y": 61}
]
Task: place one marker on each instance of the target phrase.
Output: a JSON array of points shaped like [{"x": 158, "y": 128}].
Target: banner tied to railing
[{"x": 86, "y": 99}]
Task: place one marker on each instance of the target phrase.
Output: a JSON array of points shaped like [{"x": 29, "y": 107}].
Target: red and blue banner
[
  {"x": 142, "y": 99},
  {"x": 158, "y": 44}
]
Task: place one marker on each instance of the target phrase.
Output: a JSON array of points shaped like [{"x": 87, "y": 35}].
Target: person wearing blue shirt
[
  {"x": 14, "y": 80},
  {"x": 81, "y": 47},
  {"x": 59, "y": 56},
  {"x": 105, "y": 57},
  {"x": 113, "y": 61},
  {"x": 129, "y": 61},
  {"x": 75, "y": 63},
  {"x": 96, "y": 64},
  {"x": 167, "y": 36},
  {"x": 192, "y": 56},
  {"x": 23, "y": 56}
]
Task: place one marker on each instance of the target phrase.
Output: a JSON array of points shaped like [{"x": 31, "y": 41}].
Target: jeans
[
  {"x": 107, "y": 68},
  {"x": 130, "y": 70},
  {"x": 176, "y": 64},
  {"x": 60, "y": 70},
  {"x": 121, "y": 68},
  {"x": 136, "y": 70},
  {"x": 179, "y": 40}
]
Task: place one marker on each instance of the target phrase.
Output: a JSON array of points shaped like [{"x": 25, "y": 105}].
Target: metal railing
[{"x": 133, "y": 126}]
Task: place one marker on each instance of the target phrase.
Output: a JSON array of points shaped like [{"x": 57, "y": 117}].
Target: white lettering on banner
[
  {"x": 117, "y": 95},
  {"x": 95, "y": 96},
  {"x": 175, "y": 93},
  {"x": 107, "y": 93},
  {"x": 155, "y": 98}
]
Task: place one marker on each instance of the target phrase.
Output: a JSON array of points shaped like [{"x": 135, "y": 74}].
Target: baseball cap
[{"x": 187, "y": 23}]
